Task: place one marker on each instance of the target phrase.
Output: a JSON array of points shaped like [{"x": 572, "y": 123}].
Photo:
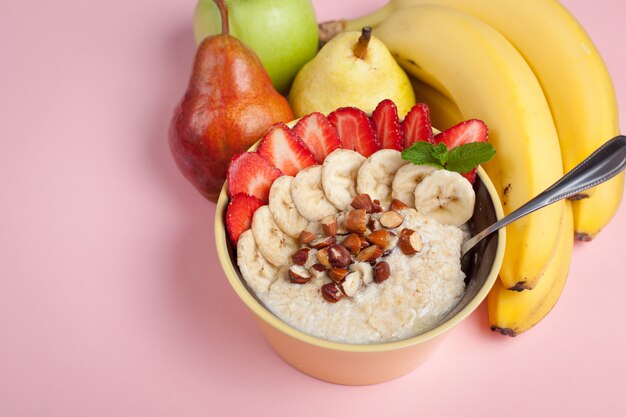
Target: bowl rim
[{"x": 268, "y": 317}]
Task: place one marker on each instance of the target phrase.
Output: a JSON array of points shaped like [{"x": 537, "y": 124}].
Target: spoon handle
[{"x": 603, "y": 164}]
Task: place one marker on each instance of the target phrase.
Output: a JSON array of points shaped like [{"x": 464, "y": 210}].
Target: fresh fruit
[
  {"x": 469, "y": 131},
  {"x": 249, "y": 173},
  {"x": 283, "y": 33},
  {"x": 487, "y": 78},
  {"x": 511, "y": 312},
  {"x": 239, "y": 214},
  {"x": 353, "y": 69},
  {"x": 355, "y": 130},
  {"x": 282, "y": 208},
  {"x": 339, "y": 173},
  {"x": 307, "y": 194},
  {"x": 318, "y": 135},
  {"x": 571, "y": 72},
  {"x": 446, "y": 197},
  {"x": 444, "y": 113},
  {"x": 387, "y": 125},
  {"x": 282, "y": 148},
  {"x": 406, "y": 179},
  {"x": 228, "y": 105},
  {"x": 274, "y": 245},
  {"x": 257, "y": 272},
  {"x": 416, "y": 125},
  {"x": 376, "y": 175}
]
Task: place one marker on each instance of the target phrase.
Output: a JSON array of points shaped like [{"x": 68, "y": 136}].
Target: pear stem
[
  {"x": 221, "y": 5},
  {"x": 360, "y": 48}
]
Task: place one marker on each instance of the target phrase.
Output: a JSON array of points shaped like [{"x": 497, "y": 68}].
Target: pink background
[{"x": 113, "y": 302}]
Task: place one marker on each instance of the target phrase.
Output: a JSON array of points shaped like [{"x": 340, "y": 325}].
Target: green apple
[{"x": 283, "y": 33}]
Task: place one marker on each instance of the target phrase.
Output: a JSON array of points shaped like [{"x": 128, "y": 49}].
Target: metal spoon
[{"x": 603, "y": 164}]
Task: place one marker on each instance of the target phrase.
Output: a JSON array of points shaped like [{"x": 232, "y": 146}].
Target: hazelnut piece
[
  {"x": 379, "y": 237},
  {"x": 397, "y": 205},
  {"x": 331, "y": 292},
  {"x": 391, "y": 219},
  {"x": 369, "y": 254},
  {"x": 381, "y": 272},
  {"x": 338, "y": 274},
  {"x": 339, "y": 256},
  {"x": 351, "y": 284},
  {"x": 376, "y": 208},
  {"x": 301, "y": 256},
  {"x": 366, "y": 271},
  {"x": 317, "y": 271},
  {"x": 356, "y": 221},
  {"x": 362, "y": 201},
  {"x": 409, "y": 242},
  {"x": 322, "y": 257},
  {"x": 329, "y": 225},
  {"x": 352, "y": 242},
  {"x": 306, "y": 237},
  {"x": 323, "y": 242},
  {"x": 299, "y": 274}
]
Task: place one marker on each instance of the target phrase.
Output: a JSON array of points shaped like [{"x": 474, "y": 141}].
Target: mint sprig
[{"x": 461, "y": 159}]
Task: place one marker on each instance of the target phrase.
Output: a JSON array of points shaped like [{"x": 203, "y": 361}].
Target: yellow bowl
[{"x": 354, "y": 364}]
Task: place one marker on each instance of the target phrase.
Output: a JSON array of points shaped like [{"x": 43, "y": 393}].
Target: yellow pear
[{"x": 352, "y": 69}]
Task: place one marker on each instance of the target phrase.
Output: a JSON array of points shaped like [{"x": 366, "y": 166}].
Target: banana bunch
[{"x": 549, "y": 102}]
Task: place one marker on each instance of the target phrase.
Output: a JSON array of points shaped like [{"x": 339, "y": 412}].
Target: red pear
[{"x": 229, "y": 104}]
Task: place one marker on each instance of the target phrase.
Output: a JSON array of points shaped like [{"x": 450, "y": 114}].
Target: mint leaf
[
  {"x": 422, "y": 153},
  {"x": 466, "y": 157},
  {"x": 440, "y": 152}
]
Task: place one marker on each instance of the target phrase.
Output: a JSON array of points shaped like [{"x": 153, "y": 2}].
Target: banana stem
[
  {"x": 360, "y": 48},
  {"x": 221, "y": 5}
]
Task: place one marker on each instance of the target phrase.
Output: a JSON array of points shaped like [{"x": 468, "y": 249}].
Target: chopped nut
[
  {"x": 323, "y": 242},
  {"x": 339, "y": 256},
  {"x": 397, "y": 205},
  {"x": 331, "y": 292},
  {"x": 352, "y": 242},
  {"x": 381, "y": 272},
  {"x": 337, "y": 274},
  {"x": 376, "y": 208},
  {"x": 392, "y": 241},
  {"x": 356, "y": 221},
  {"x": 351, "y": 284},
  {"x": 306, "y": 237},
  {"x": 409, "y": 242},
  {"x": 391, "y": 219},
  {"x": 364, "y": 242},
  {"x": 365, "y": 268},
  {"x": 329, "y": 225},
  {"x": 379, "y": 237},
  {"x": 373, "y": 224},
  {"x": 299, "y": 274},
  {"x": 322, "y": 257},
  {"x": 317, "y": 271},
  {"x": 301, "y": 256},
  {"x": 369, "y": 254},
  {"x": 362, "y": 201}
]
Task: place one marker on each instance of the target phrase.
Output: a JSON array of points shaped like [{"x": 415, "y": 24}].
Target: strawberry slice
[
  {"x": 469, "y": 131},
  {"x": 416, "y": 125},
  {"x": 355, "y": 130},
  {"x": 249, "y": 173},
  {"x": 387, "y": 125},
  {"x": 239, "y": 214},
  {"x": 318, "y": 135},
  {"x": 283, "y": 149}
]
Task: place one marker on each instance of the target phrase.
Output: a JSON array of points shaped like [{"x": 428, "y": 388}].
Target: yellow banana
[
  {"x": 510, "y": 312},
  {"x": 488, "y": 79},
  {"x": 572, "y": 74},
  {"x": 444, "y": 113}
]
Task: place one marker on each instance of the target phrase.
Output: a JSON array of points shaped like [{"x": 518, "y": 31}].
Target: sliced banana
[
  {"x": 445, "y": 196},
  {"x": 283, "y": 210},
  {"x": 406, "y": 179},
  {"x": 339, "y": 173},
  {"x": 308, "y": 196},
  {"x": 274, "y": 244},
  {"x": 376, "y": 174},
  {"x": 258, "y": 273}
]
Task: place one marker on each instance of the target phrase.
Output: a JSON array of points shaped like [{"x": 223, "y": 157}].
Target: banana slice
[
  {"x": 258, "y": 273},
  {"x": 339, "y": 173},
  {"x": 445, "y": 196},
  {"x": 376, "y": 175},
  {"x": 283, "y": 210},
  {"x": 273, "y": 243},
  {"x": 308, "y": 196},
  {"x": 405, "y": 181}
]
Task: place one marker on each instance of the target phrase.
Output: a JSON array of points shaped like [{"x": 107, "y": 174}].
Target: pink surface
[{"x": 113, "y": 300}]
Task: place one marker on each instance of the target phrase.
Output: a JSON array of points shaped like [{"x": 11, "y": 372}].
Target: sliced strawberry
[
  {"x": 355, "y": 130},
  {"x": 387, "y": 125},
  {"x": 249, "y": 173},
  {"x": 469, "y": 131},
  {"x": 283, "y": 149},
  {"x": 239, "y": 214},
  {"x": 416, "y": 125},
  {"x": 318, "y": 135}
]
